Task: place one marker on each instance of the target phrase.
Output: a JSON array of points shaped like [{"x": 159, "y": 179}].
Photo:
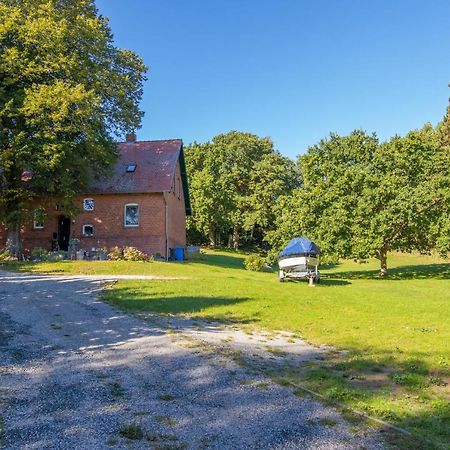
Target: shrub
[
  {"x": 256, "y": 263},
  {"x": 157, "y": 257},
  {"x": 6, "y": 256},
  {"x": 102, "y": 253},
  {"x": 116, "y": 254},
  {"x": 39, "y": 254},
  {"x": 57, "y": 256},
  {"x": 198, "y": 256},
  {"x": 133, "y": 254},
  {"x": 127, "y": 254}
]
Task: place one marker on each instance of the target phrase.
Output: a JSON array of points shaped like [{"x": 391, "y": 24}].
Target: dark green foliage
[
  {"x": 133, "y": 431},
  {"x": 235, "y": 181},
  {"x": 255, "y": 263},
  {"x": 65, "y": 92}
]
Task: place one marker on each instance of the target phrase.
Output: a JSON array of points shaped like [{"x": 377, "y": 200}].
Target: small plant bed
[{"x": 393, "y": 332}]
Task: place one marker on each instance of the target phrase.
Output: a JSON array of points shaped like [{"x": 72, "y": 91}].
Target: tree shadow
[
  {"x": 228, "y": 261},
  {"x": 438, "y": 271},
  {"x": 171, "y": 303},
  {"x": 173, "y": 394},
  {"x": 325, "y": 281},
  {"x": 15, "y": 266},
  {"x": 401, "y": 392}
]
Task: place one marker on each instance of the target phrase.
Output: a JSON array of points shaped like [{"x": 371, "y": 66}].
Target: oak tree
[
  {"x": 66, "y": 91},
  {"x": 363, "y": 199}
]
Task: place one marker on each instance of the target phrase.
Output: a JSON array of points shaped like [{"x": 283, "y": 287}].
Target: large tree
[
  {"x": 234, "y": 181},
  {"x": 362, "y": 199},
  {"x": 66, "y": 92}
]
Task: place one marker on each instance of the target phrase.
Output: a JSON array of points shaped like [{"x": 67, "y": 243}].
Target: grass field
[{"x": 396, "y": 331}]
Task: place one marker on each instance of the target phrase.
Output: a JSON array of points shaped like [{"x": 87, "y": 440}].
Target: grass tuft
[
  {"x": 166, "y": 397},
  {"x": 166, "y": 420},
  {"x": 132, "y": 431}
]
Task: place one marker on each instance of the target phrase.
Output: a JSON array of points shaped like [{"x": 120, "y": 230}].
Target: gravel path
[{"x": 77, "y": 374}]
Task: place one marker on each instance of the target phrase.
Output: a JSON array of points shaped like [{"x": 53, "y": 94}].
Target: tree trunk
[
  {"x": 383, "y": 263},
  {"x": 212, "y": 237},
  {"x": 13, "y": 240},
  {"x": 235, "y": 237}
]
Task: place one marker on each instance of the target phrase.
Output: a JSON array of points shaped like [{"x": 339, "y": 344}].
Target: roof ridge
[{"x": 150, "y": 140}]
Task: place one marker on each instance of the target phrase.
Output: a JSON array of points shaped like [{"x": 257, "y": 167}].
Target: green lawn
[{"x": 396, "y": 330}]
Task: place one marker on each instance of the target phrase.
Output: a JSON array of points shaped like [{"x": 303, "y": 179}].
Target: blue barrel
[{"x": 179, "y": 253}]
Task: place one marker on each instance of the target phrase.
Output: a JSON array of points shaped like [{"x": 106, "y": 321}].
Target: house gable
[{"x": 153, "y": 164}]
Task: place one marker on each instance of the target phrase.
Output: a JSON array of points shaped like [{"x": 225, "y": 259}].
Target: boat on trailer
[{"x": 299, "y": 260}]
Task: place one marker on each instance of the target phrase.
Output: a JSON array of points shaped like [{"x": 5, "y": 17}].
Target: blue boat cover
[{"x": 299, "y": 246}]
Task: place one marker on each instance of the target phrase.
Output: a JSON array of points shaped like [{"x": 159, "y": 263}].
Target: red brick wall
[
  {"x": 108, "y": 221},
  {"x": 109, "y": 225}
]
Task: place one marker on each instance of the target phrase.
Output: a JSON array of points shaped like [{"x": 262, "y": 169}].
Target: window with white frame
[
  {"x": 88, "y": 204},
  {"x": 88, "y": 230},
  {"x": 131, "y": 215},
  {"x": 38, "y": 219}
]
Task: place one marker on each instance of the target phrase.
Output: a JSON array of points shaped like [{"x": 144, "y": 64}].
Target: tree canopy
[
  {"x": 65, "y": 92},
  {"x": 235, "y": 181},
  {"x": 362, "y": 199}
]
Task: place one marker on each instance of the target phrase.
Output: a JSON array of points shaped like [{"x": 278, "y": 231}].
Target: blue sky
[{"x": 293, "y": 70}]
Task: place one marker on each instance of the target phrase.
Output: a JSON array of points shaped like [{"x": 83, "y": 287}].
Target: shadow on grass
[
  {"x": 228, "y": 261},
  {"x": 16, "y": 266},
  {"x": 224, "y": 261},
  {"x": 423, "y": 271},
  {"x": 175, "y": 304},
  {"x": 325, "y": 281},
  {"x": 406, "y": 393},
  {"x": 35, "y": 267}
]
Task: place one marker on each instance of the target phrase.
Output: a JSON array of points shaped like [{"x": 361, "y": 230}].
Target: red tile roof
[{"x": 156, "y": 163}]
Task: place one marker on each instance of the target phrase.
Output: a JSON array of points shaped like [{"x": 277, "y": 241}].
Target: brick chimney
[{"x": 131, "y": 137}]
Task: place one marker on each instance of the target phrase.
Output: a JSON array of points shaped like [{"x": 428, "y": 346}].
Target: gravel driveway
[{"x": 75, "y": 373}]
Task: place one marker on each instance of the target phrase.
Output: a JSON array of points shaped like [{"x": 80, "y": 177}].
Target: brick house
[{"x": 143, "y": 204}]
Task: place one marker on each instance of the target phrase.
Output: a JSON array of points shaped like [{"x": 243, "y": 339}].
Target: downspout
[{"x": 166, "y": 226}]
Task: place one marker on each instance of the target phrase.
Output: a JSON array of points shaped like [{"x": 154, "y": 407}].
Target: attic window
[{"x": 131, "y": 168}]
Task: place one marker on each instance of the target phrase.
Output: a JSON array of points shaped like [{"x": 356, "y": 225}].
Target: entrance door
[{"x": 64, "y": 233}]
